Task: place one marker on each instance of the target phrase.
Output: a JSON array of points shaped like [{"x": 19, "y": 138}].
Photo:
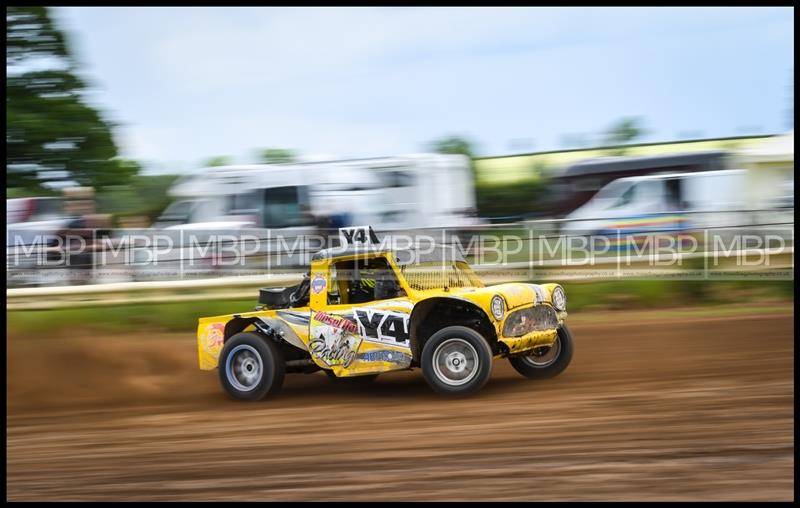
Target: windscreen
[{"x": 436, "y": 269}]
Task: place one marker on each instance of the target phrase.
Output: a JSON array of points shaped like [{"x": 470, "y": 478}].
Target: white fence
[
  {"x": 525, "y": 253},
  {"x": 226, "y": 288}
]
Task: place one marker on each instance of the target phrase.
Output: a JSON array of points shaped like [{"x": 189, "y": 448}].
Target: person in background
[
  {"x": 333, "y": 215},
  {"x": 341, "y": 216},
  {"x": 84, "y": 233}
]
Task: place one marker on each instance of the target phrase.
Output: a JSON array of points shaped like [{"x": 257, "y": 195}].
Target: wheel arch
[
  {"x": 236, "y": 325},
  {"x": 433, "y": 314}
]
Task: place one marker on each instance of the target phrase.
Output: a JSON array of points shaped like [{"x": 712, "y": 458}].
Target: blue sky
[{"x": 185, "y": 84}]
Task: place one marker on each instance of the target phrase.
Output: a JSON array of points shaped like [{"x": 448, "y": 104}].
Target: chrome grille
[{"x": 532, "y": 319}]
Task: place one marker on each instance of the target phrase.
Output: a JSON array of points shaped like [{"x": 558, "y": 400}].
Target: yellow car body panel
[{"x": 374, "y": 337}]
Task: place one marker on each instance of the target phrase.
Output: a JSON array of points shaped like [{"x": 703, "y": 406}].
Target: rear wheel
[
  {"x": 546, "y": 362},
  {"x": 251, "y": 367},
  {"x": 456, "y": 361}
]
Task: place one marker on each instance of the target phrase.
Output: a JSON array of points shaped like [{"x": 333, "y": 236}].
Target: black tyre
[
  {"x": 549, "y": 362},
  {"x": 456, "y": 361},
  {"x": 352, "y": 380},
  {"x": 251, "y": 367}
]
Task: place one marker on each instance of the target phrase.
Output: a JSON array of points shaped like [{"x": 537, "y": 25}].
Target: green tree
[
  {"x": 277, "y": 156},
  {"x": 513, "y": 201},
  {"x": 145, "y": 195},
  {"x": 52, "y": 133},
  {"x": 454, "y": 145},
  {"x": 216, "y": 161},
  {"x": 624, "y": 131}
]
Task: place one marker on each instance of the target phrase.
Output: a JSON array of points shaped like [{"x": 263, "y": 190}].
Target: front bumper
[{"x": 532, "y": 340}]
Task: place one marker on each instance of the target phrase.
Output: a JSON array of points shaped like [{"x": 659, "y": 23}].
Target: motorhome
[
  {"x": 293, "y": 201},
  {"x": 425, "y": 190},
  {"x": 665, "y": 202}
]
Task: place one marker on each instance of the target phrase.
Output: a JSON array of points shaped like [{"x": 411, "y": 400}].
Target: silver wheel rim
[
  {"x": 455, "y": 362},
  {"x": 546, "y": 357},
  {"x": 244, "y": 368}
]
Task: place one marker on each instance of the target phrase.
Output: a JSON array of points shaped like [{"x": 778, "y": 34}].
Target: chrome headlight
[
  {"x": 498, "y": 307},
  {"x": 559, "y": 299}
]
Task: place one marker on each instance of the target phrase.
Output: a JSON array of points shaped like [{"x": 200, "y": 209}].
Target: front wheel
[
  {"x": 548, "y": 362},
  {"x": 456, "y": 361},
  {"x": 251, "y": 367}
]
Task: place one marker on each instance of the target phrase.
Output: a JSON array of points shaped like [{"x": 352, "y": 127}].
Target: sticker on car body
[
  {"x": 318, "y": 284},
  {"x": 383, "y": 326}
]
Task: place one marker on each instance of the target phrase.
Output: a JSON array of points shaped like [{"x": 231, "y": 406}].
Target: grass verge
[{"x": 582, "y": 297}]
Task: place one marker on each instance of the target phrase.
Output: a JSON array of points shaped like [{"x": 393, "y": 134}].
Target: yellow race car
[{"x": 364, "y": 309}]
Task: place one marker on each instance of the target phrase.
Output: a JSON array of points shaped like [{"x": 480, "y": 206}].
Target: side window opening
[
  {"x": 286, "y": 207},
  {"x": 675, "y": 201},
  {"x": 242, "y": 203},
  {"x": 363, "y": 281},
  {"x": 334, "y": 295}
]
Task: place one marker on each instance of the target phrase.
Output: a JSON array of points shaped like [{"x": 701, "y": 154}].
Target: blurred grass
[
  {"x": 179, "y": 316},
  {"x": 654, "y": 294},
  {"x": 582, "y": 296}
]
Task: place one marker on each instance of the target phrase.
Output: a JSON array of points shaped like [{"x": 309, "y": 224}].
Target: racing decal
[
  {"x": 384, "y": 355},
  {"x": 334, "y": 339},
  {"x": 212, "y": 337},
  {"x": 295, "y": 318},
  {"x": 383, "y": 326},
  {"x": 318, "y": 284},
  {"x": 209, "y": 343},
  {"x": 336, "y": 321},
  {"x": 286, "y": 331},
  {"x": 341, "y": 350}
]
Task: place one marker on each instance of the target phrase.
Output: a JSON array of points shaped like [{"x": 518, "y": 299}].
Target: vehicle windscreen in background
[
  {"x": 178, "y": 212},
  {"x": 178, "y": 209},
  {"x": 613, "y": 191}
]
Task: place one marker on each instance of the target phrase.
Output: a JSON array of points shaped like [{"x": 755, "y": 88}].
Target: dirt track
[{"x": 675, "y": 409}]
